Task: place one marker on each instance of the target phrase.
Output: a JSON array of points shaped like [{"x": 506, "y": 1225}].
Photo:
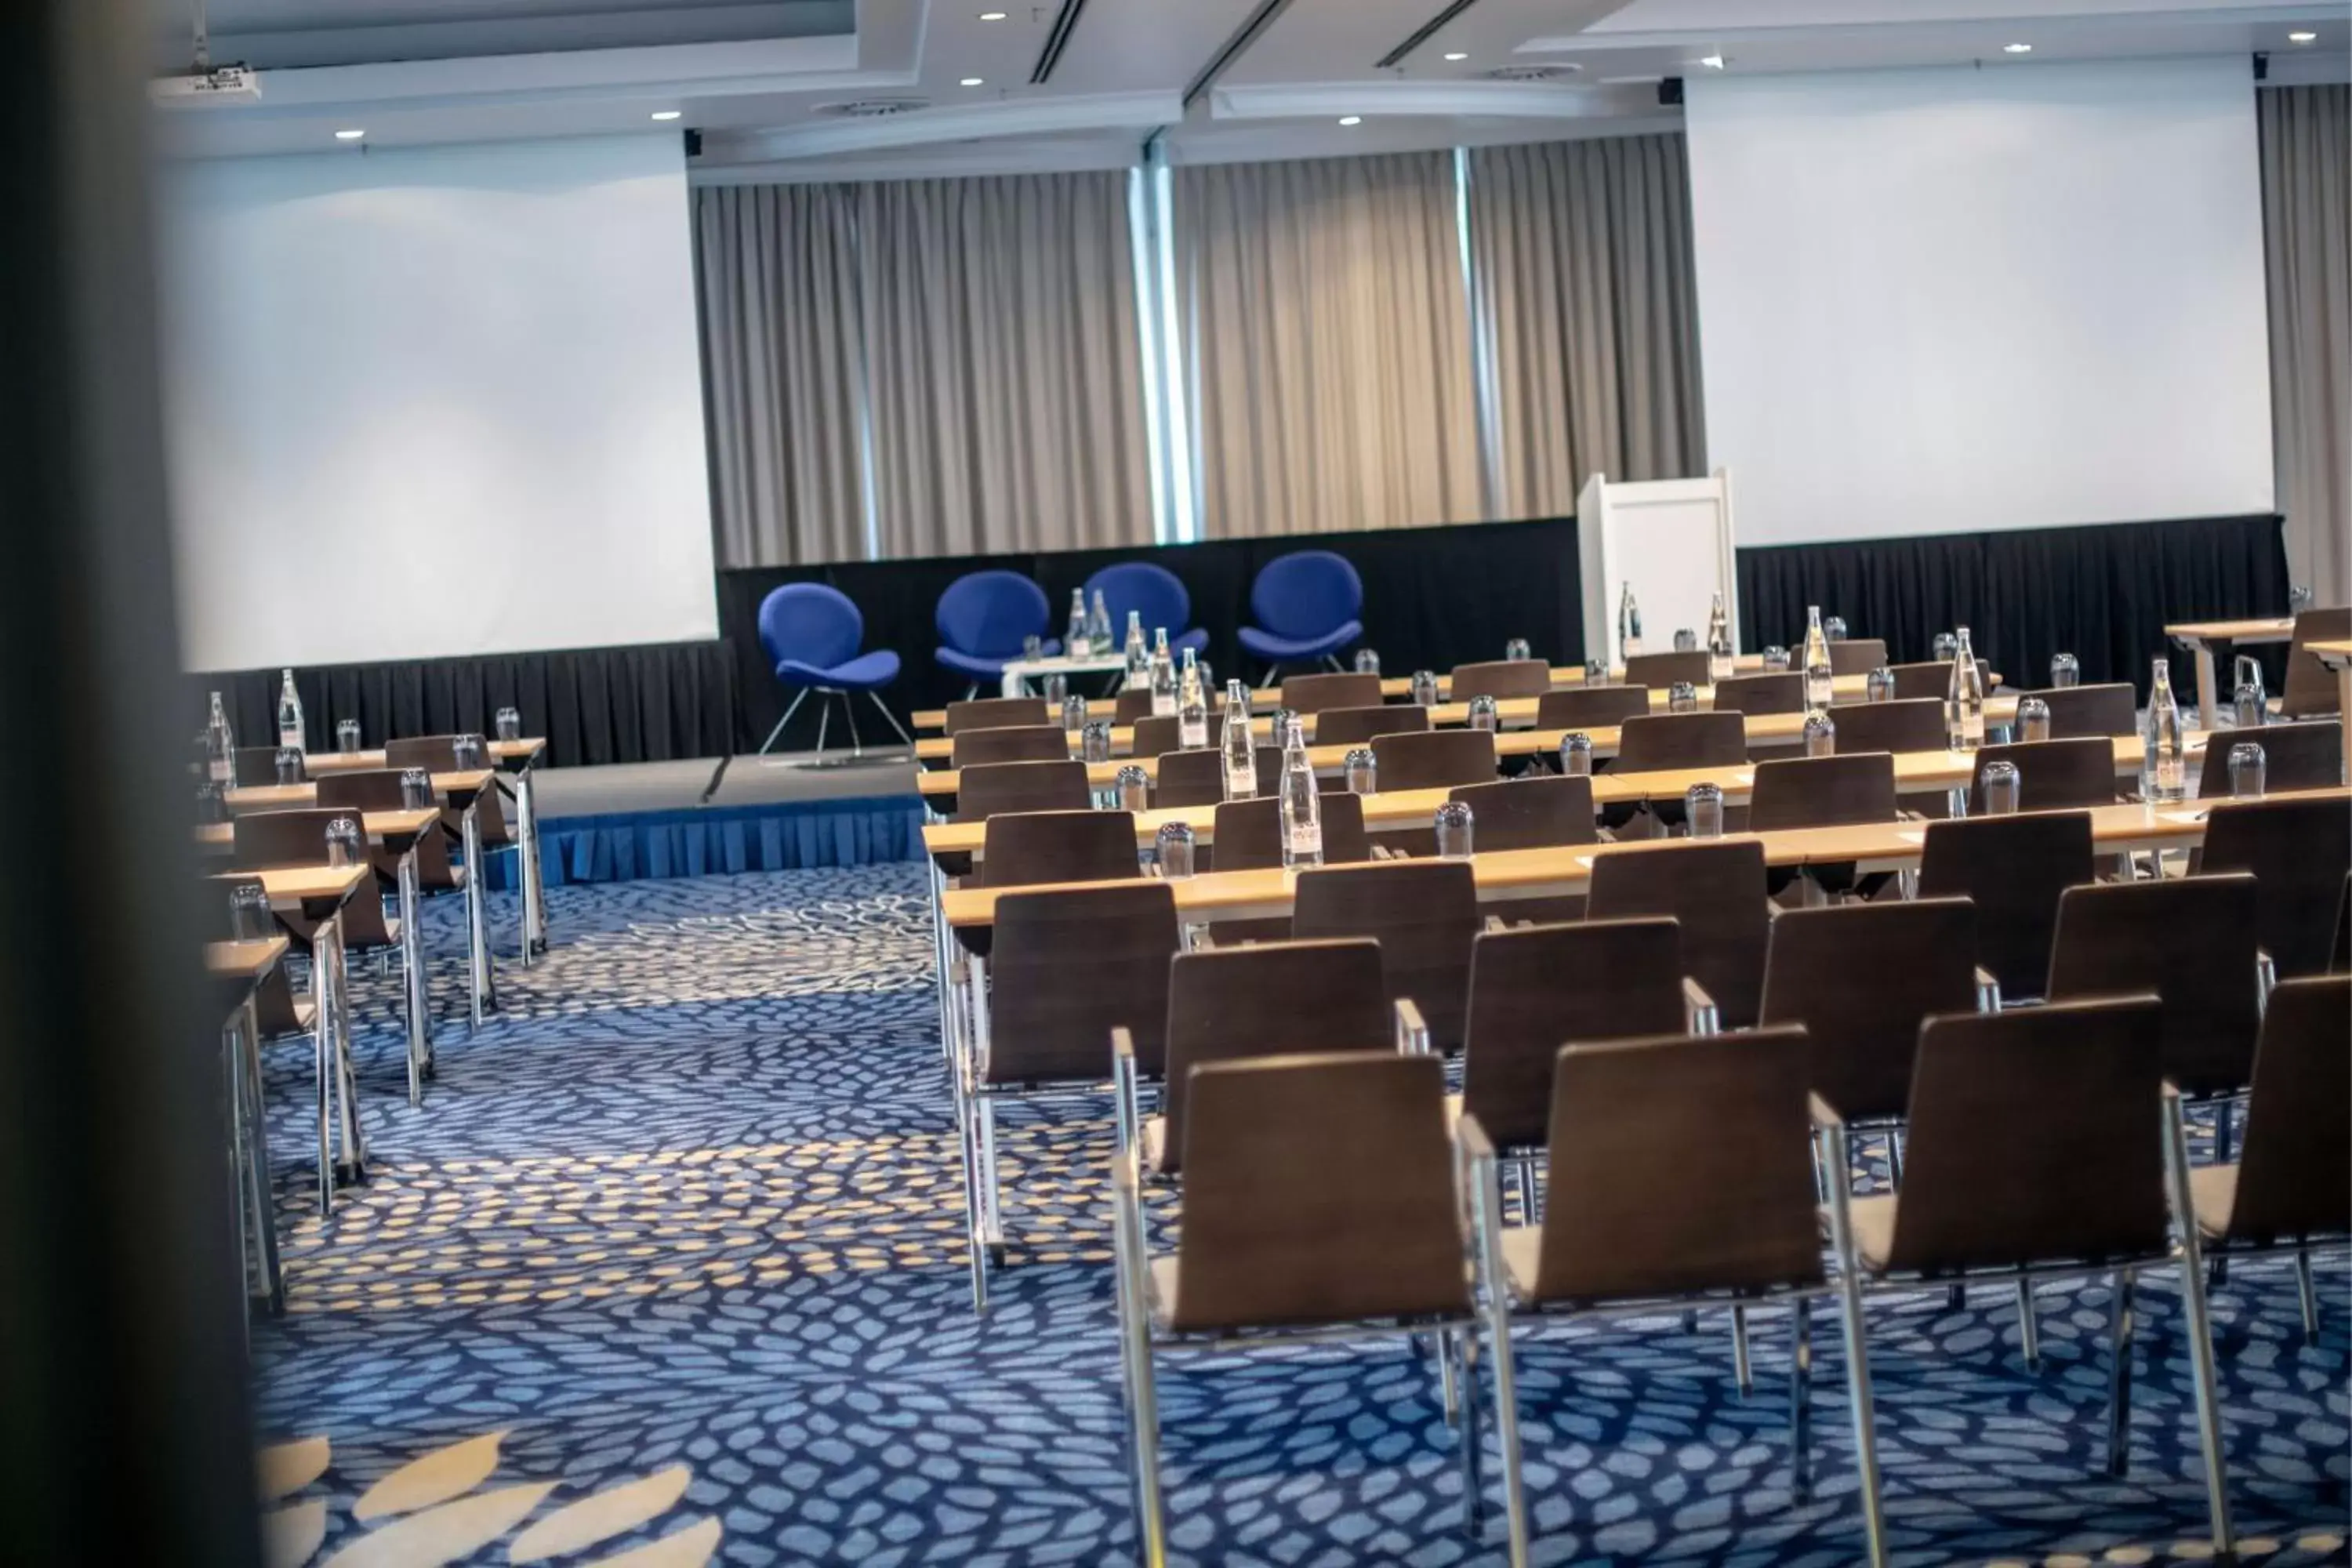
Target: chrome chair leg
[
  {"x": 1487, "y": 1228},
  {"x": 967, "y": 1135},
  {"x": 1449, "y": 1392},
  {"x": 875, "y": 698},
  {"x": 1142, "y": 1402},
  {"x": 849, "y": 716},
  {"x": 824, "y": 717},
  {"x": 1857, "y": 1354},
  {"x": 1462, "y": 1346},
  {"x": 794, "y": 707},
  {"x": 2201, "y": 1328},
  {"x": 1742, "y": 1373},
  {"x": 2306, "y": 1294},
  {"x": 2120, "y": 1317},
  {"x": 1801, "y": 1420},
  {"x": 2028, "y": 1330}
]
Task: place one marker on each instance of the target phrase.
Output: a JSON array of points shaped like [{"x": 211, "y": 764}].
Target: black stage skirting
[
  {"x": 1433, "y": 597},
  {"x": 648, "y": 703}
]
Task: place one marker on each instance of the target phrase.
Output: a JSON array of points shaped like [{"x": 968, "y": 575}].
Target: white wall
[
  {"x": 1943, "y": 301},
  {"x": 434, "y": 401}
]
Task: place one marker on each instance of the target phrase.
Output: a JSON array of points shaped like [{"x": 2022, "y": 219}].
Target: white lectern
[{"x": 1672, "y": 538}]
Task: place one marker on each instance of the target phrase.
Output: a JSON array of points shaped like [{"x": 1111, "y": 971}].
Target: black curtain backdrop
[
  {"x": 642, "y": 705},
  {"x": 2103, "y": 592},
  {"x": 1433, "y": 597}
]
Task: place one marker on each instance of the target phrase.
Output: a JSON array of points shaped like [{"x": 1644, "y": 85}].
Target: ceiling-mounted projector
[{"x": 202, "y": 88}]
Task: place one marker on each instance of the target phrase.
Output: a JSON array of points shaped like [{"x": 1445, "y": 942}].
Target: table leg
[
  {"x": 412, "y": 964},
  {"x": 2208, "y": 700},
  {"x": 534, "y": 891},
  {"x": 264, "y": 1214},
  {"x": 322, "y": 1023},
  {"x": 347, "y": 1083},
  {"x": 478, "y": 946},
  {"x": 2343, "y": 706}
]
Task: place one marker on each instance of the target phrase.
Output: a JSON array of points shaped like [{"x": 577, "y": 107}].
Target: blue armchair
[{"x": 811, "y": 634}]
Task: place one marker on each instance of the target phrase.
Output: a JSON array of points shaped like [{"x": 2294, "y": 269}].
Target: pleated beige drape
[
  {"x": 1328, "y": 339},
  {"x": 778, "y": 269},
  {"x": 2307, "y": 162},
  {"x": 960, "y": 357},
  {"x": 1583, "y": 253}
]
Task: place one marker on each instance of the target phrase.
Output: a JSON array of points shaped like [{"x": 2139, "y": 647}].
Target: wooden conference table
[
  {"x": 2336, "y": 655},
  {"x": 2199, "y": 638}
]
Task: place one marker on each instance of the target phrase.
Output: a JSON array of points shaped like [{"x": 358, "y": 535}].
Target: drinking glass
[
  {"x": 1074, "y": 713},
  {"x": 1454, "y": 831},
  {"x": 467, "y": 752},
  {"x": 1282, "y": 718},
  {"x": 1595, "y": 673},
  {"x": 2001, "y": 783},
  {"x": 1833, "y": 627},
  {"x": 1878, "y": 685},
  {"x": 2248, "y": 767},
  {"x": 249, "y": 919},
  {"x": 1775, "y": 658},
  {"x": 1575, "y": 755},
  {"x": 1703, "y": 805},
  {"x": 1947, "y": 647},
  {"x": 2065, "y": 670},
  {"x": 1682, "y": 696},
  {"x": 1095, "y": 740},
  {"x": 344, "y": 844},
  {"x": 1821, "y": 735},
  {"x": 1174, "y": 847},
  {"x": 508, "y": 723},
  {"x": 1363, "y": 771},
  {"x": 289, "y": 765},
  {"x": 2248, "y": 707},
  {"x": 1686, "y": 640},
  {"x": 347, "y": 735},
  {"x": 1058, "y": 687},
  {"x": 1032, "y": 646},
  {"x": 1134, "y": 789},
  {"x": 1424, "y": 689},
  {"x": 1482, "y": 713},
  {"x": 1367, "y": 662},
  {"x": 1515, "y": 650},
  {"x": 415, "y": 788},
  {"x": 2033, "y": 719}
]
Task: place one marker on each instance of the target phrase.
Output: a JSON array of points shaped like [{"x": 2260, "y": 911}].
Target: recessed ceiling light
[
  {"x": 1712, "y": 62},
  {"x": 2303, "y": 37},
  {"x": 2017, "y": 48},
  {"x": 991, "y": 16},
  {"x": 971, "y": 81},
  {"x": 1459, "y": 55},
  {"x": 1351, "y": 120},
  {"x": 349, "y": 135},
  {"x": 665, "y": 113}
]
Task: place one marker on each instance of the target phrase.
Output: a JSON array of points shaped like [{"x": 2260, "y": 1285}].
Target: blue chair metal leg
[
  {"x": 797, "y": 698},
  {"x": 875, "y": 698}
]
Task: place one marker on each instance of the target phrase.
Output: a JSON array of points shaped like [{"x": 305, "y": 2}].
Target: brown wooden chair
[
  {"x": 1856, "y": 655},
  {"x": 2299, "y": 851},
  {"x": 1067, "y": 967},
  {"x": 1715, "y": 891},
  {"x": 1437, "y": 760},
  {"x": 1129, "y": 707},
  {"x": 1011, "y": 743},
  {"x": 1500, "y": 678},
  {"x": 1663, "y": 669},
  {"x": 1822, "y": 792},
  {"x": 1023, "y": 848},
  {"x": 278, "y": 1010},
  {"x": 2109, "y": 708},
  {"x": 1321, "y": 1197},
  {"x": 1592, "y": 707},
  {"x": 2190, "y": 941},
  {"x": 378, "y": 789},
  {"x": 2051, "y": 775},
  {"x": 1166, "y": 733},
  {"x": 1861, "y": 978},
  {"x": 2310, "y": 688},
  {"x": 1931, "y": 677},
  {"x": 2309, "y": 755},
  {"x": 1314, "y": 693},
  {"x": 2031, "y": 1155},
  {"x": 1357, "y": 726},
  {"x": 2287, "y": 1191},
  {"x": 251, "y": 766},
  {"x": 1198, "y": 778},
  {"x": 1248, "y": 836},
  {"x": 268, "y": 840},
  {"x": 2015, "y": 870},
  {"x": 1425, "y": 915},
  {"x": 997, "y": 712},
  {"x": 1660, "y": 740},
  {"x": 993, "y": 789},
  {"x": 1529, "y": 813},
  {"x": 1231, "y": 1003},
  {"x": 1915, "y": 724},
  {"x": 438, "y": 754},
  {"x": 1774, "y": 693}
]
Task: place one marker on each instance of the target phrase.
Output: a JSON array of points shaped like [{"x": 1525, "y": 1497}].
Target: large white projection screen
[
  {"x": 434, "y": 401},
  {"x": 1940, "y": 301}
]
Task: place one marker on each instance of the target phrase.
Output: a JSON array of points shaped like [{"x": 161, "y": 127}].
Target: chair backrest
[
  {"x": 1679, "y": 1164},
  {"x": 1592, "y": 707},
  {"x": 1355, "y": 726},
  {"x": 1663, "y": 669},
  {"x": 2015, "y": 869},
  {"x": 1198, "y": 778},
  {"x": 1535, "y": 987},
  {"x": 274, "y": 840},
  {"x": 1153, "y": 593},
  {"x": 2339, "y": 960},
  {"x": 2309, "y": 755},
  {"x": 252, "y": 765},
  {"x": 2189, "y": 940},
  {"x": 1532, "y": 812},
  {"x": 2110, "y": 709},
  {"x": 994, "y": 788},
  {"x": 434, "y": 753},
  {"x": 1716, "y": 890},
  {"x": 2299, "y": 852},
  {"x": 2052, "y": 775},
  {"x": 1166, "y": 733},
  {"x": 810, "y": 623},
  {"x": 1822, "y": 792},
  {"x": 1067, "y": 967},
  {"x": 2299, "y": 1119},
  {"x": 1856, "y": 655},
  {"x": 1249, "y": 833},
  {"x": 1315, "y": 693},
  {"x": 1321, "y": 1189},
  {"x": 1860, "y": 978},
  {"x": 1305, "y": 594},
  {"x": 1680, "y": 741},
  {"x": 1267, "y": 999},
  {"x": 1500, "y": 678},
  {"x": 370, "y": 789},
  {"x": 1425, "y": 915},
  {"x": 1024, "y": 847},
  {"x": 987, "y": 614},
  {"x": 1780, "y": 692},
  {"x": 2311, "y": 688},
  {"x": 1129, "y": 707},
  {"x": 1932, "y": 677},
  {"x": 997, "y": 714},
  {"x": 1012, "y": 744},
  {"x": 1914, "y": 724},
  {"x": 1438, "y": 759},
  {"x": 2034, "y": 1138}
]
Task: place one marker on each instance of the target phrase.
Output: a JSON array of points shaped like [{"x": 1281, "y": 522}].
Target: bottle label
[
  {"x": 291, "y": 736},
  {"x": 1193, "y": 734},
  {"x": 1302, "y": 843},
  {"x": 221, "y": 771},
  {"x": 1241, "y": 781},
  {"x": 1163, "y": 704}
]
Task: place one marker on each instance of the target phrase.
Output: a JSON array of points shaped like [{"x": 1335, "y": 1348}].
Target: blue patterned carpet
[{"x": 687, "y": 1214}]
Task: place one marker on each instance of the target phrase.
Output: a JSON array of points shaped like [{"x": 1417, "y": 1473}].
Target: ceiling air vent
[
  {"x": 1533, "y": 73},
  {"x": 873, "y": 108}
]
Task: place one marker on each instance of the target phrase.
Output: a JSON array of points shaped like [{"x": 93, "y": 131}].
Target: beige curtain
[
  {"x": 1586, "y": 294},
  {"x": 2306, "y": 160},
  {"x": 1005, "y": 366},
  {"x": 778, "y": 272},
  {"x": 1329, "y": 344}
]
